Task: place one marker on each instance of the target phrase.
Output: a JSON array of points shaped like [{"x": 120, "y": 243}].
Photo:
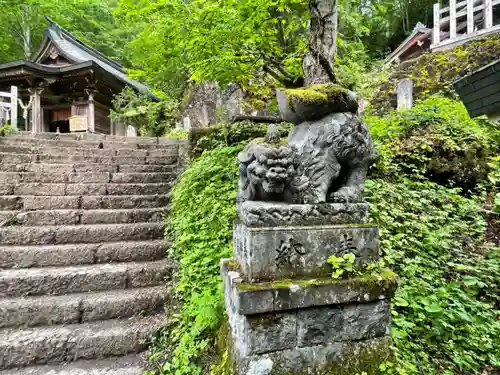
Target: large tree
[{"x": 92, "y": 21}]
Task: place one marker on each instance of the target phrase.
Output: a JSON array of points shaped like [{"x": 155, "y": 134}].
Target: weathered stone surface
[
  {"x": 44, "y": 189},
  {"x": 123, "y": 202},
  {"x": 85, "y": 189},
  {"x": 126, "y": 365},
  {"x": 142, "y": 178},
  {"x": 335, "y": 152},
  {"x": 122, "y": 168},
  {"x": 89, "y": 177},
  {"x": 48, "y": 235},
  {"x": 76, "y": 279},
  {"x": 273, "y": 253},
  {"x": 137, "y": 189},
  {"x": 72, "y": 342},
  {"x": 269, "y": 214},
  {"x": 258, "y": 298},
  {"x": 330, "y": 324},
  {"x": 131, "y": 251},
  {"x": 49, "y": 202},
  {"x": 141, "y": 215},
  {"x": 46, "y": 256},
  {"x": 77, "y": 254},
  {"x": 264, "y": 333},
  {"x": 334, "y": 359},
  {"x": 48, "y": 217}
]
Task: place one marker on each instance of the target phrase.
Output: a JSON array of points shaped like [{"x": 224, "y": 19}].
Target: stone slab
[
  {"x": 273, "y": 253},
  {"x": 67, "y": 234},
  {"x": 259, "y": 298},
  {"x": 121, "y": 201},
  {"x": 126, "y": 365},
  {"x": 338, "y": 358},
  {"x": 78, "y": 254},
  {"x": 77, "y": 279},
  {"x": 80, "y": 341},
  {"x": 271, "y": 214}
]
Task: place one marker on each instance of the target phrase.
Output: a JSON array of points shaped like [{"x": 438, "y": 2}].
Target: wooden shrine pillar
[
  {"x": 36, "y": 110},
  {"x": 91, "y": 111}
]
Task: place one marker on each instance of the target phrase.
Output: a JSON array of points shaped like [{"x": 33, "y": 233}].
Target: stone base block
[
  {"x": 283, "y": 320},
  {"x": 270, "y": 214},
  {"x": 340, "y": 358},
  {"x": 279, "y": 296},
  {"x": 274, "y": 253}
]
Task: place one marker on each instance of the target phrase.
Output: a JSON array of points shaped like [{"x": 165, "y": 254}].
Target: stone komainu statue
[
  {"x": 326, "y": 157},
  {"x": 268, "y": 170}
]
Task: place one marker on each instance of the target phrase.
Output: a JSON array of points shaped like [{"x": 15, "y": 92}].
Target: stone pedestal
[{"x": 286, "y": 314}]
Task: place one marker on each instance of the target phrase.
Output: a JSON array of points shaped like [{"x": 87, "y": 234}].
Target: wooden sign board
[{"x": 78, "y": 124}]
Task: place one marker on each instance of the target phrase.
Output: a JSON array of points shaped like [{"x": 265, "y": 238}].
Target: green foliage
[
  {"x": 91, "y": 21},
  {"x": 438, "y": 140},
  {"x": 201, "y": 139},
  {"x": 6, "y": 129},
  {"x": 177, "y": 133},
  {"x": 150, "y": 117},
  {"x": 342, "y": 266},
  {"x": 200, "y": 226},
  {"x": 227, "y": 41},
  {"x": 444, "y": 310}
]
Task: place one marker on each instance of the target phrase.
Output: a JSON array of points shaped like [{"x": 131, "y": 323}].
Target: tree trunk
[{"x": 318, "y": 63}]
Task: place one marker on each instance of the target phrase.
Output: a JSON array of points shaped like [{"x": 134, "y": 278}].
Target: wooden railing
[{"x": 462, "y": 21}]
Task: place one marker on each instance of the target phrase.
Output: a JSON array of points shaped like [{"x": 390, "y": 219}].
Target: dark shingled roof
[
  {"x": 480, "y": 90},
  {"x": 78, "y": 52}
]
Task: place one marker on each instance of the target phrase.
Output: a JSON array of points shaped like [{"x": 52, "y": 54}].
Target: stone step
[
  {"x": 81, "y": 188},
  {"x": 80, "y": 279},
  {"x": 88, "y": 139},
  {"x": 75, "y": 202},
  {"x": 73, "y": 234},
  {"x": 74, "y": 217},
  {"x": 84, "y": 177},
  {"x": 57, "y": 344},
  {"x": 86, "y": 151},
  {"x": 81, "y": 307},
  {"x": 132, "y": 364},
  {"x": 12, "y": 158},
  {"x": 81, "y": 254},
  {"x": 86, "y": 167}
]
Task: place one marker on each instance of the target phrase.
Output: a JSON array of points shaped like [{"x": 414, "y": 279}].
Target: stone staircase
[{"x": 82, "y": 274}]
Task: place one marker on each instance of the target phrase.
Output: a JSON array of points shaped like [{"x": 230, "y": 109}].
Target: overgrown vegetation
[
  {"x": 6, "y": 129},
  {"x": 434, "y": 73},
  {"x": 151, "y": 116},
  {"x": 436, "y": 140},
  {"x": 445, "y": 314},
  {"x": 201, "y": 139},
  {"x": 200, "y": 226}
]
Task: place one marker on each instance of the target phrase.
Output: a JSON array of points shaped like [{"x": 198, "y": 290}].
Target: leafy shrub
[
  {"x": 200, "y": 226},
  {"x": 201, "y": 139},
  {"x": 444, "y": 310},
  {"x": 438, "y": 140},
  {"x": 150, "y": 117},
  {"x": 6, "y": 129}
]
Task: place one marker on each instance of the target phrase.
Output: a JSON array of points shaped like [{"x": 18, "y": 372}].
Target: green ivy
[
  {"x": 445, "y": 312},
  {"x": 446, "y": 308},
  {"x": 200, "y": 227}
]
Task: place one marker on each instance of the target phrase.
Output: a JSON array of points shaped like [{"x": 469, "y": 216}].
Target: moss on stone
[
  {"x": 317, "y": 94},
  {"x": 379, "y": 278},
  {"x": 232, "y": 265}
]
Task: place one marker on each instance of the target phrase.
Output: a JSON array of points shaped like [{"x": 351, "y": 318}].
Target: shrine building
[{"x": 66, "y": 82}]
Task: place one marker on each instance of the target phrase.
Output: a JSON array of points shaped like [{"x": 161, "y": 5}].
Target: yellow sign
[{"x": 78, "y": 124}]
